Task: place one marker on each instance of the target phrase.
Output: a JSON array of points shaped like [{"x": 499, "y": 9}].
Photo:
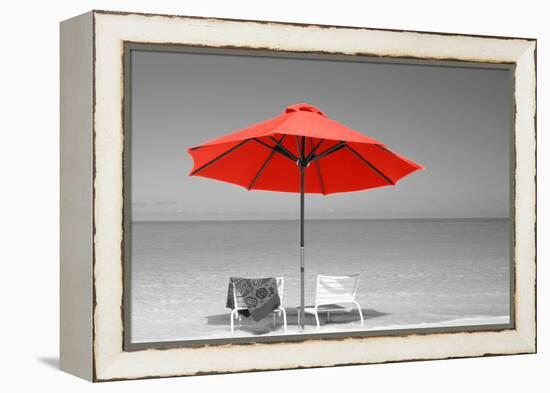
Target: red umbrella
[{"x": 304, "y": 151}]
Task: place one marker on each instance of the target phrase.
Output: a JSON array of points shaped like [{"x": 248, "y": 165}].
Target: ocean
[{"x": 414, "y": 273}]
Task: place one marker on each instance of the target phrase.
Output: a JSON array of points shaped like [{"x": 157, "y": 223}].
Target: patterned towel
[{"x": 260, "y": 296}]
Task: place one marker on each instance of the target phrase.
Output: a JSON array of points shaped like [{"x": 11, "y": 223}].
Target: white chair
[
  {"x": 239, "y": 304},
  {"x": 334, "y": 293}
]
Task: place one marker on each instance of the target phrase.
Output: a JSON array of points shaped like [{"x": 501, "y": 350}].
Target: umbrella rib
[
  {"x": 220, "y": 156},
  {"x": 263, "y": 143},
  {"x": 284, "y": 149},
  {"x": 314, "y": 149},
  {"x": 264, "y": 165},
  {"x": 395, "y": 155},
  {"x": 329, "y": 151},
  {"x": 317, "y": 165},
  {"x": 365, "y": 161},
  {"x": 275, "y": 148},
  {"x": 298, "y": 146}
]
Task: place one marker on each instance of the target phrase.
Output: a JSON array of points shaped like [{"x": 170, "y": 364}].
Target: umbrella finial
[{"x": 303, "y": 107}]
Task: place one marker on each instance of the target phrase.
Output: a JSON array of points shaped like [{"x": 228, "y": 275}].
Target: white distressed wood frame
[{"x": 93, "y": 349}]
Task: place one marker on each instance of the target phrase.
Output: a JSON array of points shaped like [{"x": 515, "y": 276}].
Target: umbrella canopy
[
  {"x": 336, "y": 158},
  {"x": 301, "y": 151}
]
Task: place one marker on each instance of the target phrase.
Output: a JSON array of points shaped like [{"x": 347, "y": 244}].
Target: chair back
[
  {"x": 336, "y": 289},
  {"x": 239, "y": 302},
  {"x": 281, "y": 287}
]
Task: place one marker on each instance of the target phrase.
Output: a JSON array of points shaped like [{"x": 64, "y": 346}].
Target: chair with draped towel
[{"x": 240, "y": 305}]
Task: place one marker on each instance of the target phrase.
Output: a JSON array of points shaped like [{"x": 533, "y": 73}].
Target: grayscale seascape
[
  {"x": 431, "y": 251},
  {"x": 418, "y": 273}
]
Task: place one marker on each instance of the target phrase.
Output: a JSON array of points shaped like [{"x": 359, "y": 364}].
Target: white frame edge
[
  {"x": 76, "y": 204},
  {"x": 112, "y": 29}
]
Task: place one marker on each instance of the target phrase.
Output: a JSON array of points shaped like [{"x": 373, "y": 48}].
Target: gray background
[{"x": 455, "y": 121}]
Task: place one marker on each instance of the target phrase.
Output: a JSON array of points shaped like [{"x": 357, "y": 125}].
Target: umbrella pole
[{"x": 302, "y": 249}]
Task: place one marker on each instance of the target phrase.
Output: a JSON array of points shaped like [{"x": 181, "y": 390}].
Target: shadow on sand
[{"x": 266, "y": 325}]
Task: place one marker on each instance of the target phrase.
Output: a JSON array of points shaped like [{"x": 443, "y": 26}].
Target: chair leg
[
  {"x": 284, "y": 317},
  {"x": 298, "y": 316},
  {"x": 360, "y": 313},
  {"x": 231, "y": 318},
  {"x": 274, "y": 320},
  {"x": 317, "y": 320}
]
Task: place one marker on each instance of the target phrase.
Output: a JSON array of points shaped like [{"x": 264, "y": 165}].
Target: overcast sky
[{"x": 454, "y": 121}]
